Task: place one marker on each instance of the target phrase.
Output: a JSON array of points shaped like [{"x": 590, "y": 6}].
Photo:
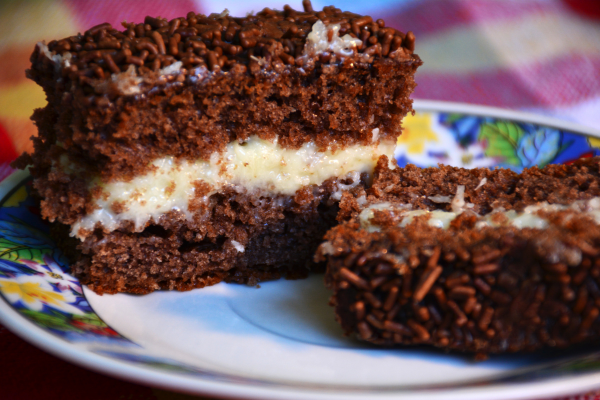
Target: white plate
[{"x": 279, "y": 341}]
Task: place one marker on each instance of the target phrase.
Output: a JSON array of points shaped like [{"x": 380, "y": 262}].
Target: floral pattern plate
[{"x": 281, "y": 341}]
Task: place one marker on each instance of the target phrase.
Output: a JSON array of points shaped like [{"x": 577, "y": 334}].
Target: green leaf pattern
[{"x": 501, "y": 140}]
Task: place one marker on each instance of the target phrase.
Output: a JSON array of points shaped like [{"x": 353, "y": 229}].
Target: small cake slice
[
  {"x": 206, "y": 148},
  {"x": 483, "y": 261}
]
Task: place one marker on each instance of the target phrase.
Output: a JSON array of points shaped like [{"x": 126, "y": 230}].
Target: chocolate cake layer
[
  {"x": 190, "y": 86},
  {"x": 470, "y": 260}
]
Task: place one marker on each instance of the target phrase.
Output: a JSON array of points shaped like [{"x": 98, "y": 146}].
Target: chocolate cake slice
[
  {"x": 206, "y": 148},
  {"x": 482, "y": 261}
]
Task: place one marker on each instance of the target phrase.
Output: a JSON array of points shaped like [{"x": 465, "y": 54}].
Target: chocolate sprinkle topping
[{"x": 269, "y": 39}]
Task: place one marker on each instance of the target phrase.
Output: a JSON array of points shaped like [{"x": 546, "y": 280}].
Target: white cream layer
[
  {"x": 254, "y": 166},
  {"x": 528, "y": 218}
]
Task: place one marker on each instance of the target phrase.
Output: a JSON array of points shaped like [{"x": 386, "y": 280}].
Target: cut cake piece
[
  {"x": 206, "y": 148},
  {"x": 482, "y": 261}
]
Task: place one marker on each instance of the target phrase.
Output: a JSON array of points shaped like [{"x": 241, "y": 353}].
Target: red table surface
[{"x": 30, "y": 373}]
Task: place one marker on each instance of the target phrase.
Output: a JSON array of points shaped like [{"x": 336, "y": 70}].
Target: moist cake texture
[
  {"x": 482, "y": 261},
  {"x": 205, "y": 148}
]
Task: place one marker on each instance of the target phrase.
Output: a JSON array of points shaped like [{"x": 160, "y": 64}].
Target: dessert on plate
[
  {"x": 182, "y": 153},
  {"x": 483, "y": 261}
]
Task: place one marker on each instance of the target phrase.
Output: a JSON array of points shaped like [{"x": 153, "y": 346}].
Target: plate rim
[
  {"x": 505, "y": 113},
  {"x": 35, "y": 335},
  {"x": 40, "y": 338}
]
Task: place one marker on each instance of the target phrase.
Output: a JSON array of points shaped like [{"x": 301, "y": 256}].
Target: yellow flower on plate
[
  {"x": 31, "y": 292},
  {"x": 16, "y": 199},
  {"x": 35, "y": 292},
  {"x": 416, "y": 133},
  {"x": 594, "y": 142}
]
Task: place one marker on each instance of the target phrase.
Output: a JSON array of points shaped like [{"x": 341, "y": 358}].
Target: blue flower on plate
[
  {"x": 12, "y": 269},
  {"x": 539, "y": 146}
]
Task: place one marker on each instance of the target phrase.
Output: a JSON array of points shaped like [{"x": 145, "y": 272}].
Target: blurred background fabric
[{"x": 541, "y": 56}]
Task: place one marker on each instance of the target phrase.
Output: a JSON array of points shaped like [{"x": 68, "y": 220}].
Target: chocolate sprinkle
[
  {"x": 220, "y": 42},
  {"x": 508, "y": 290}
]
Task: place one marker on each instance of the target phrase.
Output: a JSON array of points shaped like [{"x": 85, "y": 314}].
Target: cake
[
  {"x": 480, "y": 261},
  {"x": 178, "y": 154}
]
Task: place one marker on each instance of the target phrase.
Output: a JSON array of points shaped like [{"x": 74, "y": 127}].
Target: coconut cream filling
[
  {"x": 255, "y": 166},
  {"x": 530, "y": 217}
]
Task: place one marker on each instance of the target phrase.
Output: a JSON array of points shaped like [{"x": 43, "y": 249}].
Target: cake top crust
[{"x": 197, "y": 43}]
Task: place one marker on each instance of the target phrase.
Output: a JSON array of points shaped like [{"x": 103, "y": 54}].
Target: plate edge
[{"x": 505, "y": 113}]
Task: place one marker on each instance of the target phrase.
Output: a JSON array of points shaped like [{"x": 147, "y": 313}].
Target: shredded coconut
[
  {"x": 482, "y": 182},
  {"x": 341, "y": 187},
  {"x": 59, "y": 61},
  {"x": 327, "y": 248},
  {"x": 458, "y": 202},
  {"x": 318, "y": 40},
  {"x": 171, "y": 69},
  {"x": 259, "y": 60},
  {"x": 221, "y": 15},
  {"x": 238, "y": 246},
  {"x": 126, "y": 83},
  {"x": 198, "y": 74},
  {"x": 440, "y": 199},
  {"x": 375, "y": 134}
]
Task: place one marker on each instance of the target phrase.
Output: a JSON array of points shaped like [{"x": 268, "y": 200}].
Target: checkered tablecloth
[{"x": 535, "y": 55}]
